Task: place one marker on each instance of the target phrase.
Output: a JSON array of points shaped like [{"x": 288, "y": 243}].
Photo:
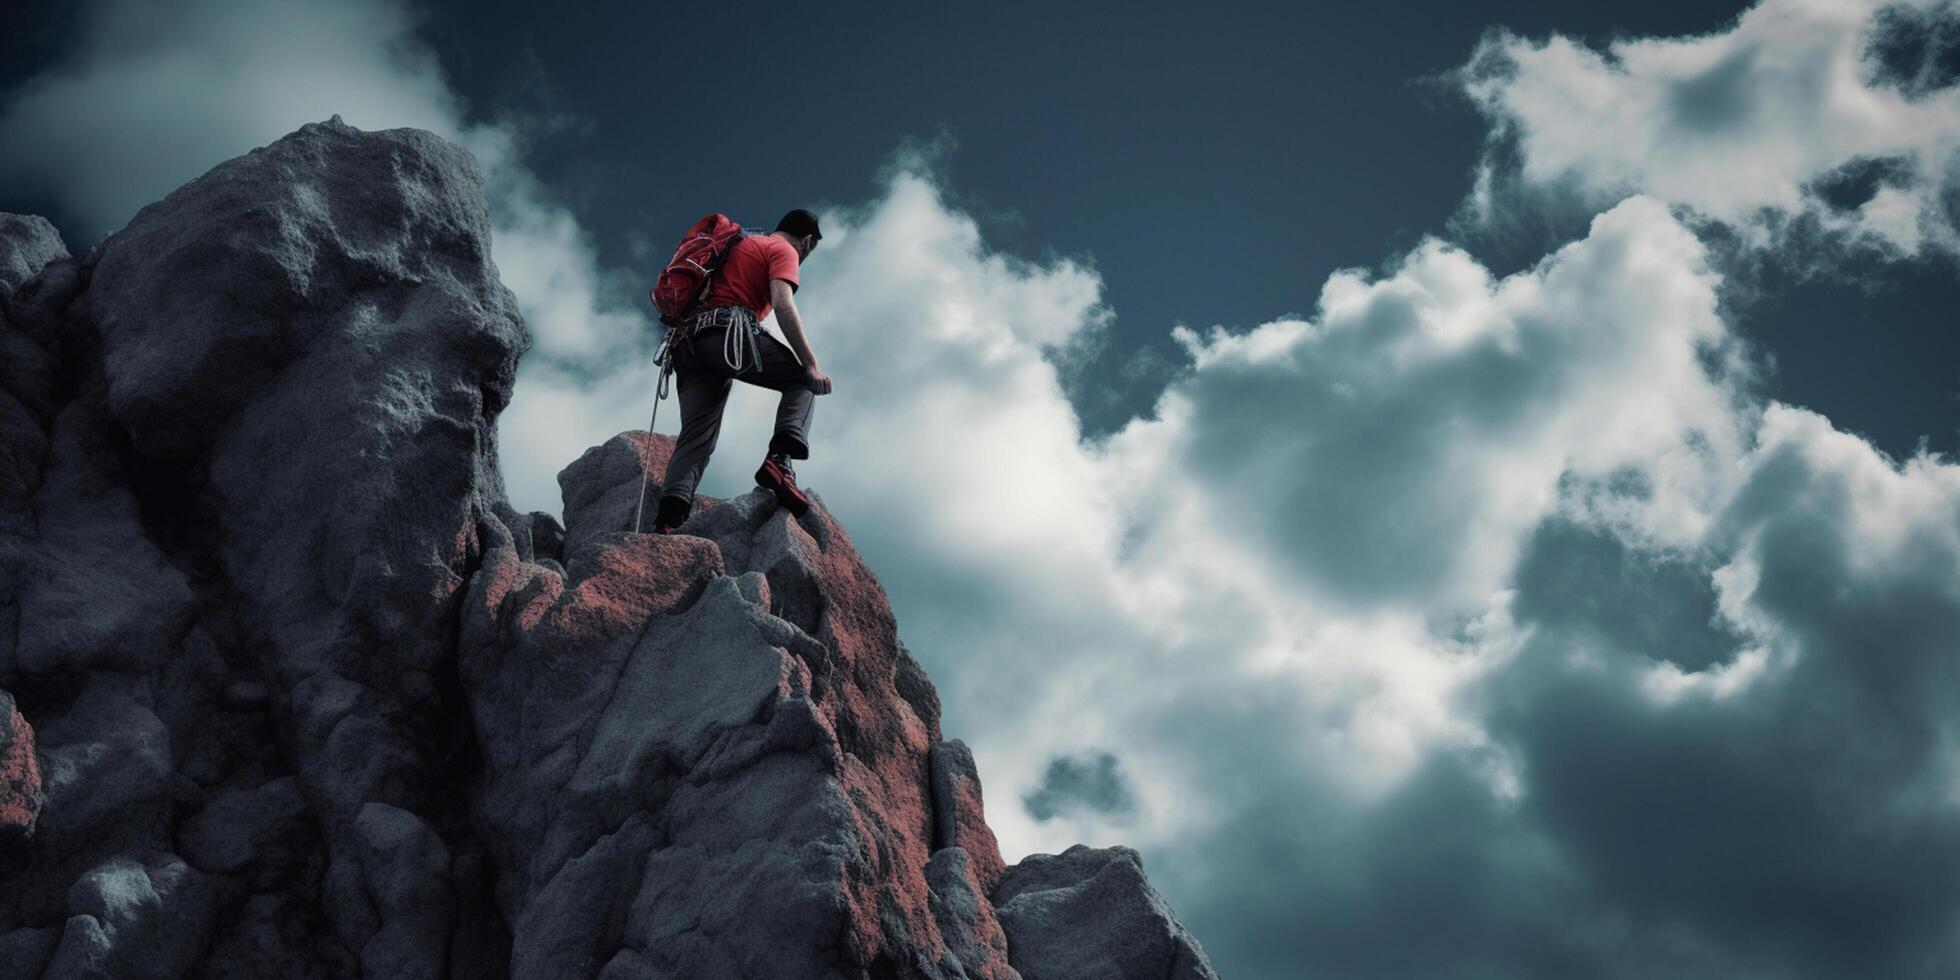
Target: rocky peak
[{"x": 295, "y": 692}]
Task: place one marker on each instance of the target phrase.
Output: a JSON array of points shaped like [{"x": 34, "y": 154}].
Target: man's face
[{"x": 804, "y": 246}]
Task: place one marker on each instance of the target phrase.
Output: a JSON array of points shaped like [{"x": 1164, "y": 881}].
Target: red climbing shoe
[{"x": 776, "y": 477}]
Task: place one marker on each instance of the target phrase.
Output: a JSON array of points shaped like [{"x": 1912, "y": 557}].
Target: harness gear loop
[{"x": 740, "y": 349}]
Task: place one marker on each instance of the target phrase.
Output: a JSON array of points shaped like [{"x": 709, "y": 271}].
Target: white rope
[
  {"x": 664, "y": 358},
  {"x": 738, "y": 346}
]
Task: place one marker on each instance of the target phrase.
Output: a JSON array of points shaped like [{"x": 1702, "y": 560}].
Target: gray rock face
[
  {"x": 300, "y": 695},
  {"x": 1090, "y": 914},
  {"x": 257, "y": 444},
  {"x": 28, "y": 242},
  {"x": 701, "y": 760}
]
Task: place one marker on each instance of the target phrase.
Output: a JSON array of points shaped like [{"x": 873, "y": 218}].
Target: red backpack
[{"x": 692, "y": 270}]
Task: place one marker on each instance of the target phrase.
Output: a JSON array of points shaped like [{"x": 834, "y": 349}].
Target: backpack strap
[{"x": 710, "y": 271}]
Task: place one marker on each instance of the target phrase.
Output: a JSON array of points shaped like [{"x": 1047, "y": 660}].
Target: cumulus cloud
[
  {"x": 1833, "y": 120},
  {"x": 1791, "y": 802},
  {"x": 1432, "y": 415},
  {"x": 1442, "y": 610}
]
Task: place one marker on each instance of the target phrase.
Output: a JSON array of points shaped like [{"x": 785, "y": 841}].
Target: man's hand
[{"x": 792, "y": 323}]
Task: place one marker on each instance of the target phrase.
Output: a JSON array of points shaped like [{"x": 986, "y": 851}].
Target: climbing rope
[
  {"x": 664, "y": 359},
  {"x": 739, "y": 349}
]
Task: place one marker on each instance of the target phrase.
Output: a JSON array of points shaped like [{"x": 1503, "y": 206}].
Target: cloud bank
[
  {"x": 1498, "y": 611},
  {"x": 1815, "y": 119},
  {"x": 1474, "y": 625}
]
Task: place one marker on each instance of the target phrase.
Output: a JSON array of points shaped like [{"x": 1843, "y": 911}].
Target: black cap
[{"x": 799, "y": 223}]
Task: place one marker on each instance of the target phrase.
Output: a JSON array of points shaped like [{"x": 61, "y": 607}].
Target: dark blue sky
[
  {"x": 1214, "y": 162},
  {"x": 1217, "y": 161}
]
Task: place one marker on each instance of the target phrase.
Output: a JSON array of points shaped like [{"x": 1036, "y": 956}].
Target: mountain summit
[{"x": 291, "y": 691}]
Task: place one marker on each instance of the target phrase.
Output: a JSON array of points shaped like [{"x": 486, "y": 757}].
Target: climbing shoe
[
  {"x": 778, "y": 478},
  {"x": 672, "y": 514}
]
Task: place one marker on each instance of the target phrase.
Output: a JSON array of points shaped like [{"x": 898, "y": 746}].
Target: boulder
[
  {"x": 28, "y": 242},
  {"x": 142, "y": 918},
  {"x": 1090, "y": 914}
]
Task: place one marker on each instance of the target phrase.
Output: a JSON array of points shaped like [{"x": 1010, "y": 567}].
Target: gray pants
[{"x": 703, "y": 381}]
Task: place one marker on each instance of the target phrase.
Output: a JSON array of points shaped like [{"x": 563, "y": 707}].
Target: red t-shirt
[{"x": 745, "y": 274}]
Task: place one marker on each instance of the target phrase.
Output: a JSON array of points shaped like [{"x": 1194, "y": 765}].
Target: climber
[{"x": 724, "y": 343}]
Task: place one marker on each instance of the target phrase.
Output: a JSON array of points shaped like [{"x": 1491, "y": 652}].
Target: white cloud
[
  {"x": 154, "y": 94},
  {"x": 1742, "y": 125},
  {"x": 1318, "y": 509},
  {"x": 1292, "y": 595},
  {"x": 1399, "y": 446}
]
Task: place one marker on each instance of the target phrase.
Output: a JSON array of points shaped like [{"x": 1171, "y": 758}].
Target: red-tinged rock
[
  {"x": 751, "y": 782},
  {"x": 529, "y": 590},
  {"x": 21, "y": 795},
  {"x": 653, "y": 449},
  {"x": 601, "y": 488},
  {"x": 617, "y": 587},
  {"x": 960, "y": 816},
  {"x": 753, "y": 759},
  {"x": 883, "y": 739}
]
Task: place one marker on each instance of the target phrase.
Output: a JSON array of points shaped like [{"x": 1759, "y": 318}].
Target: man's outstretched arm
[{"x": 783, "y": 298}]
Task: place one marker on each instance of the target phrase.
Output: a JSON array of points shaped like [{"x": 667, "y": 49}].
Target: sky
[{"x": 1464, "y": 489}]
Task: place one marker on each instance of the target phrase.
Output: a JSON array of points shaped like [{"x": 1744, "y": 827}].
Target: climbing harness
[{"x": 740, "y": 350}]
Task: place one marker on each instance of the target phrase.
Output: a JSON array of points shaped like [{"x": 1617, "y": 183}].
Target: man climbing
[{"x": 724, "y": 343}]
